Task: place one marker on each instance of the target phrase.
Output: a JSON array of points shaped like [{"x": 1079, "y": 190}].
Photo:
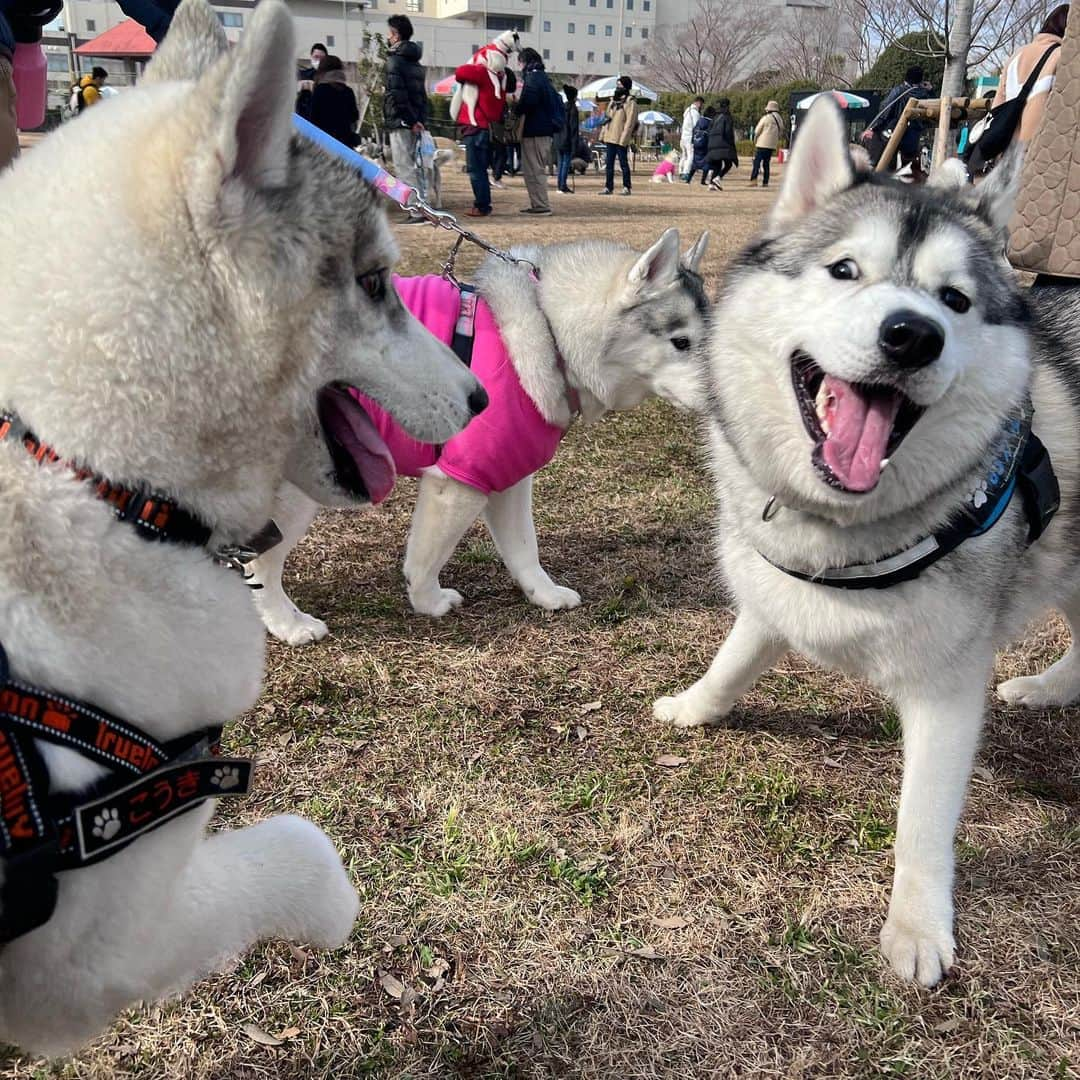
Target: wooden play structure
[{"x": 945, "y": 112}]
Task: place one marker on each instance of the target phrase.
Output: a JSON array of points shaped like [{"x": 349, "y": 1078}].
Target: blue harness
[{"x": 1018, "y": 462}]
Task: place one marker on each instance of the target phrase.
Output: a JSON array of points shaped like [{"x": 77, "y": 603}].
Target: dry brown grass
[{"x": 550, "y": 900}]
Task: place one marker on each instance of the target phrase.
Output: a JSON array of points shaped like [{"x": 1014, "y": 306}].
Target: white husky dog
[
  {"x": 604, "y": 328},
  {"x": 247, "y": 279},
  {"x": 876, "y": 324}
]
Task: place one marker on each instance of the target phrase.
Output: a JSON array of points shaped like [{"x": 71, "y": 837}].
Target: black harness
[
  {"x": 150, "y": 782},
  {"x": 1018, "y": 463}
]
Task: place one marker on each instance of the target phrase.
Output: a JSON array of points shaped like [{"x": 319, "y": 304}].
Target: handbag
[{"x": 991, "y": 136}]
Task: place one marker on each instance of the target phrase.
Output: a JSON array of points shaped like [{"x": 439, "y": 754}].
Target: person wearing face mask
[{"x": 306, "y": 85}]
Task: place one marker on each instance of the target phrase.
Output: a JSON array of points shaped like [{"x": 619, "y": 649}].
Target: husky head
[
  {"x": 870, "y": 321},
  {"x": 631, "y": 325},
  {"x": 224, "y": 280}
]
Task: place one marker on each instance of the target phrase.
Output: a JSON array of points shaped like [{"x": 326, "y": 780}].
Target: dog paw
[
  {"x": 917, "y": 939},
  {"x": 555, "y": 598},
  {"x": 106, "y": 824},
  {"x": 681, "y": 711},
  {"x": 226, "y": 777},
  {"x": 437, "y": 603},
  {"x": 1035, "y": 692},
  {"x": 294, "y": 627}
]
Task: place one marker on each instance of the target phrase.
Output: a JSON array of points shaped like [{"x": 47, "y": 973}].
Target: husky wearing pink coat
[{"x": 547, "y": 351}]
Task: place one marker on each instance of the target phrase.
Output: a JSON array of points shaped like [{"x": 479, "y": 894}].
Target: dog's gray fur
[{"x": 928, "y": 644}]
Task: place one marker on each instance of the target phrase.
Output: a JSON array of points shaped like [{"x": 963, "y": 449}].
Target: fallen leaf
[
  {"x": 394, "y": 987},
  {"x": 288, "y": 1033},
  {"x": 438, "y": 969},
  {"x": 256, "y": 1034},
  {"x": 670, "y": 761},
  {"x": 258, "y": 978},
  {"x": 581, "y": 732},
  {"x": 285, "y": 738},
  {"x": 646, "y": 952},
  {"x": 590, "y": 706},
  {"x": 298, "y": 954},
  {"x": 671, "y": 922},
  {"x": 832, "y": 763},
  {"x": 408, "y": 996},
  {"x": 983, "y": 773},
  {"x": 948, "y": 1025}
]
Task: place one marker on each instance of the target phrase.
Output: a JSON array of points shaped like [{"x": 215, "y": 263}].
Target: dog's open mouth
[
  {"x": 362, "y": 462},
  {"x": 855, "y": 427}
]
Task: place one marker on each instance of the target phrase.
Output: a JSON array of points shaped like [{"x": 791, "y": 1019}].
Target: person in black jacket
[
  {"x": 721, "y": 153},
  {"x": 333, "y": 104},
  {"x": 405, "y": 101},
  {"x": 566, "y": 138},
  {"x": 540, "y": 105},
  {"x": 699, "y": 141}
]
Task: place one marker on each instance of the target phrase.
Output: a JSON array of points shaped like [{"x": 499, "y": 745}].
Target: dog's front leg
[
  {"x": 941, "y": 732},
  {"x": 749, "y": 650},
  {"x": 509, "y": 516},
  {"x": 293, "y": 514},
  {"x": 444, "y": 511}
]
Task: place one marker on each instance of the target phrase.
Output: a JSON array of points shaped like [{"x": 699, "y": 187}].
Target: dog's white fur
[
  {"x": 611, "y": 362},
  {"x": 191, "y": 365},
  {"x": 928, "y": 644}
]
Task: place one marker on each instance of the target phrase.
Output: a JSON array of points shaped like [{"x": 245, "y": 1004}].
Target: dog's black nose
[
  {"x": 911, "y": 340},
  {"x": 478, "y": 400}
]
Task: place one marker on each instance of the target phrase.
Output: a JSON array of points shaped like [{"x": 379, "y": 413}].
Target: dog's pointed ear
[
  {"x": 995, "y": 197},
  {"x": 820, "y": 166},
  {"x": 692, "y": 259},
  {"x": 658, "y": 267},
  {"x": 195, "y": 40},
  {"x": 251, "y": 122}
]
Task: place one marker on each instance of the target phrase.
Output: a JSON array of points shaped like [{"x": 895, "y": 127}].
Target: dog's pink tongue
[
  {"x": 350, "y": 424},
  {"x": 860, "y": 424}
]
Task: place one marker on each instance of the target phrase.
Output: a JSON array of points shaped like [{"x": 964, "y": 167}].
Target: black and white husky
[{"x": 881, "y": 499}]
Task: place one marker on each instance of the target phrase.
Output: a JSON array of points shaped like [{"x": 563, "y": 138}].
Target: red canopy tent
[{"x": 125, "y": 41}]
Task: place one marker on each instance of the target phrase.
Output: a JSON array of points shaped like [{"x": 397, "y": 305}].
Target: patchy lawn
[{"x": 556, "y": 886}]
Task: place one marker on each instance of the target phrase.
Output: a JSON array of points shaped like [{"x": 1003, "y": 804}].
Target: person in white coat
[{"x": 691, "y": 115}]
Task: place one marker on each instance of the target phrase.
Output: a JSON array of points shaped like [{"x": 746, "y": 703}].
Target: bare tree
[
  {"x": 718, "y": 45},
  {"x": 816, "y": 44}
]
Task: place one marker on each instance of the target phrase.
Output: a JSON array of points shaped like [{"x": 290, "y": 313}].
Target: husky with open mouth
[
  {"x": 146, "y": 423},
  {"x": 889, "y": 411}
]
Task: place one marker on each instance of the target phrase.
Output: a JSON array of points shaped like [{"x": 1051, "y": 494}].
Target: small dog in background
[{"x": 666, "y": 169}]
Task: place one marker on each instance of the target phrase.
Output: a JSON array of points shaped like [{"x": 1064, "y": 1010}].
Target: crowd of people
[{"x": 709, "y": 143}]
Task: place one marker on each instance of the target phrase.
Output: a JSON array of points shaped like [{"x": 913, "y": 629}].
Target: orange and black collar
[{"x": 153, "y": 516}]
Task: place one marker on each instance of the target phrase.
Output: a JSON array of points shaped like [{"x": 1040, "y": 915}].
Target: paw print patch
[
  {"x": 978, "y": 496},
  {"x": 225, "y": 778},
  {"x": 106, "y": 824}
]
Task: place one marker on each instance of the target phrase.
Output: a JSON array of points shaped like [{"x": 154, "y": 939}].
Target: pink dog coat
[
  {"x": 664, "y": 168},
  {"x": 509, "y": 440}
]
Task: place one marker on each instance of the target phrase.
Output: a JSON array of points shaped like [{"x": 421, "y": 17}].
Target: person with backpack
[
  {"x": 881, "y": 127},
  {"x": 543, "y": 113},
  {"x": 87, "y": 91},
  {"x": 566, "y": 139},
  {"x": 767, "y": 136},
  {"x": 699, "y": 142}
]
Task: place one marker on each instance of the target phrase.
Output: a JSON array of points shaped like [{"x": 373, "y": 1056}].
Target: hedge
[{"x": 747, "y": 106}]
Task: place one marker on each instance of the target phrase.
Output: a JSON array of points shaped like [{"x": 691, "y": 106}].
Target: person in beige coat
[
  {"x": 620, "y": 123},
  {"x": 1045, "y": 230},
  {"x": 1021, "y": 64},
  {"x": 767, "y": 136}
]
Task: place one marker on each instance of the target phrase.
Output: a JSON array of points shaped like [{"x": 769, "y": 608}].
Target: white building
[{"x": 579, "y": 38}]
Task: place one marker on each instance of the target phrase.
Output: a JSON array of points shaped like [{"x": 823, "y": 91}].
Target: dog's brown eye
[
  {"x": 955, "y": 299},
  {"x": 845, "y": 270},
  {"x": 681, "y": 343},
  {"x": 374, "y": 284}
]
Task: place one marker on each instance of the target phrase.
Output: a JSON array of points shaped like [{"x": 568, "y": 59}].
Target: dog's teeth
[{"x": 884, "y": 463}]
